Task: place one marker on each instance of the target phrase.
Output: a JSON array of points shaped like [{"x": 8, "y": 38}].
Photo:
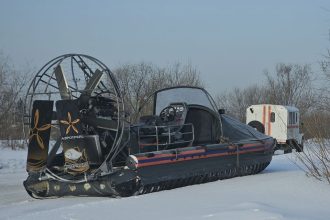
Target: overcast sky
[{"x": 230, "y": 42}]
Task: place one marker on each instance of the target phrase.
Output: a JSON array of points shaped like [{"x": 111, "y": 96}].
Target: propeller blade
[
  {"x": 62, "y": 83},
  {"x": 93, "y": 82}
]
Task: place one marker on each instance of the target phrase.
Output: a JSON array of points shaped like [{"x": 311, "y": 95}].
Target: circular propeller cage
[{"x": 68, "y": 77}]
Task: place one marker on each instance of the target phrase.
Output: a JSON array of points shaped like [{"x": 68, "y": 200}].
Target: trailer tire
[
  {"x": 257, "y": 125},
  {"x": 301, "y": 146}
]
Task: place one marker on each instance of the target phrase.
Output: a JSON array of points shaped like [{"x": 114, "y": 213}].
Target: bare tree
[
  {"x": 139, "y": 81},
  {"x": 236, "y": 101},
  {"x": 12, "y": 83},
  {"x": 315, "y": 160},
  {"x": 183, "y": 75},
  {"x": 133, "y": 81},
  {"x": 291, "y": 85},
  {"x": 324, "y": 92}
]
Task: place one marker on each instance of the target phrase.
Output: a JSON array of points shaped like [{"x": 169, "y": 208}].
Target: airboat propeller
[
  {"x": 63, "y": 87},
  {"x": 62, "y": 83},
  {"x": 87, "y": 102}
]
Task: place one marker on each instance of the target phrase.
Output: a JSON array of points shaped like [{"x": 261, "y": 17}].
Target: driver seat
[{"x": 206, "y": 124}]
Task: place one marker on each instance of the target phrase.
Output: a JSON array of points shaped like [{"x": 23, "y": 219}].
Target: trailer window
[
  {"x": 290, "y": 118},
  {"x": 293, "y": 118},
  {"x": 272, "y": 117}
]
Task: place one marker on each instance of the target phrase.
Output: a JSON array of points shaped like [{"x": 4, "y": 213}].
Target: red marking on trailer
[{"x": 264, "y": 116}]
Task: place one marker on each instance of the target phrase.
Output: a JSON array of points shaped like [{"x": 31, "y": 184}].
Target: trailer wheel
[
  {"x": 301, "y": 146},
  {"x": 257, "y": 125}
]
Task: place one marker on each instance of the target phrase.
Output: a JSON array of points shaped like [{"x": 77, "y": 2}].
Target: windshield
[{"x": 189, "y": 95}]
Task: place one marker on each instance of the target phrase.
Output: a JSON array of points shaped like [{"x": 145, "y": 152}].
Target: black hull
[
  {"x": 121, "y": 183},
  {"x": 162, "y": 171}
]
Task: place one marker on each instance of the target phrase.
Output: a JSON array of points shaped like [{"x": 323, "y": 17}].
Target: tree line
[
  {"x": 12, "y": 90},
  {"x": 287, "y": 84},
  {"x": 290, "y": 84}
]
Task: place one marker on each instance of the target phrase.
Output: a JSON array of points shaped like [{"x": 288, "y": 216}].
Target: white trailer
[{"x": 279, "y": 121}]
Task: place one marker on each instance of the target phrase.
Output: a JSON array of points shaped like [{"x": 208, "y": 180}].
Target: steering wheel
[{"x": 168, "y": 114}]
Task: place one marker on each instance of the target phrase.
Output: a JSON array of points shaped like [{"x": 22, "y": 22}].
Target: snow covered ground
[{"x": 282, "y": 191}]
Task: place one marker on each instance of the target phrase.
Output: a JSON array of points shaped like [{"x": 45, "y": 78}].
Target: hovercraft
[{"x": 82, "y": 143}]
